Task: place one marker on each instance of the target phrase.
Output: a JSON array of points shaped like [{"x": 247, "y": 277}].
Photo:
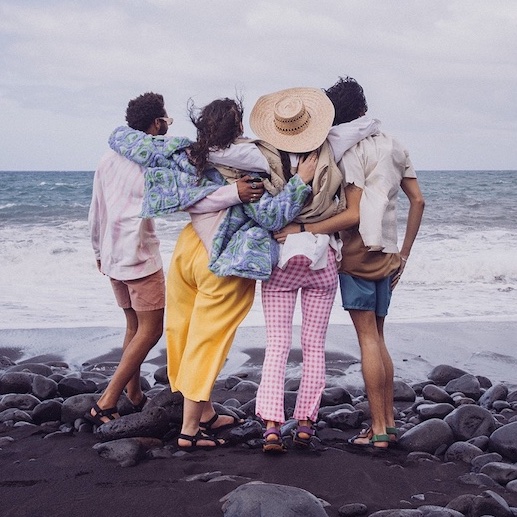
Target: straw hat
[{"x": 294, "y": 120}]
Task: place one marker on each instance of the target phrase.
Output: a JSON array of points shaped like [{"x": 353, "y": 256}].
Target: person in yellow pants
[{"x": 204, "y": 313}]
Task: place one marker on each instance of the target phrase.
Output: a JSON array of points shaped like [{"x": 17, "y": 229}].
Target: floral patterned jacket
[{"x": 243, "y": 244}]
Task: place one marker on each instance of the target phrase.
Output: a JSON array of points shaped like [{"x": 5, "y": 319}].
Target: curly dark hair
[
  {"x": 218, "y": 124},
  {"x": 348, "y": 98},
  {"x": 142, "y": 111}
]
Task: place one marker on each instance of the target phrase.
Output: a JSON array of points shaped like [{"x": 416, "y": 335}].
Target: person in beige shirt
[{"x": 374, "y": 171}]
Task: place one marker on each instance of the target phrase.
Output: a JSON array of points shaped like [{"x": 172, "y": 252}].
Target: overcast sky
[{"x": 440, "y": 74}]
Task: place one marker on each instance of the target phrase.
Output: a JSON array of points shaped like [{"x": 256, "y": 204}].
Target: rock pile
[{"x": 453, "y": 416}]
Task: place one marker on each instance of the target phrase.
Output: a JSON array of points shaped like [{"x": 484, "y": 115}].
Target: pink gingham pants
[{"x": 318, "y": 291}]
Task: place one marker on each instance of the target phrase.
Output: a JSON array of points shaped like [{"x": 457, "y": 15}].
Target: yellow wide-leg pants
[{"x": 203, "y": 313}]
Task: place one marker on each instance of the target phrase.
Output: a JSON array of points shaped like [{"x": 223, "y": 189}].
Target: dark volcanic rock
[
  {"x": 427, "y": 436},
  {"x": 444, "y": 373},
  {"x": 504, "y": 441},
  {"x": 469, "y": 421},
  {"x": 261, "y": 499},
  {"x": 466, "y": 384}
]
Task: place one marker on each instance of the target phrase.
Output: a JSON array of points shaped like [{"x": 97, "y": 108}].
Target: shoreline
[{"x": 481, "y": 348}]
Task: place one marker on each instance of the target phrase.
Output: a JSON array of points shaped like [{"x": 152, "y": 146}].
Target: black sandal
[
  {"x": 200, "y": 435},
  {"x": 300, "y": 441},
  {"x": 137, "y": 408},
  {"x": 96, "y": 419},
  {"x": 207, "y": 426}
]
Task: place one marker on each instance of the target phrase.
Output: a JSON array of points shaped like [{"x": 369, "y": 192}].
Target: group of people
[{"x": 308, "y": 206}]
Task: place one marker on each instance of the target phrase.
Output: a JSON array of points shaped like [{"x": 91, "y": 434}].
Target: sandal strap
[
  {"x": 108, "y": 412},
  {"x": 193, "y": 439},
  {"x": 272, "y": 430},
  {"x": 305, "y": 429},
  {"x": 392, "y": 430},
  {"x": 208, "y": 425},
  {"x": 380, "y": 438}
]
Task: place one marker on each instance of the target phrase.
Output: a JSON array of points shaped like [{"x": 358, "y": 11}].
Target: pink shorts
[{"x": 142, "y": 294}]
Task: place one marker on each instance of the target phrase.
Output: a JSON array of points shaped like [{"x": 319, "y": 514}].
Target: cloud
[{"x": 440, "y": 75}]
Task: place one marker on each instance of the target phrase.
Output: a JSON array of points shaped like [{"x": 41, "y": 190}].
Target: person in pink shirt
[{"x": 127, "y": 250}]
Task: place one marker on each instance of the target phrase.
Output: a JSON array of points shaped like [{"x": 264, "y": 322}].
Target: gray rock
[
  {"x": 268, "y": 500},
  {"x": 248, "y": 408},
  {"x": 436, "y": 394},
  {"x": 75, "y": 407},
  {"x": 231, "y": 381},
  {"x": 443, "y": 373},
  {"x": 246, "y": 388},
  {"x": 480, "y": 442},
  {"x": 23, "y": 401},
  {"x": 419, "y": 457},
  {"x": 47, "y": 411},
  {"x": 5, "y": 362},
  {"x": 334, "y": 396},
  {"x": 478, "y": 479},
  {"x": 427, "y": 436},
  {"x": 467, "y": 384},
  {"x": 344, "y": 419},
  {"x": 16, "y": 415},
  {"x": 504, "y": 441},
  {"x": 496, "y": 392},
  {"x": 352, "y": 510},
  {"x": 491, "y": 503},
  {"x": 483, "y": 459},
  {"x": 126, "y": 452},
  {"x": 203, "y": 476},
  {"x": 43, "y": 387},
  {"x": 6, "y": 440},
  {"x": 70, "y": 386},
  {"x": 327, "y": 410},
  {"x": 501, "y": 405},
  {"x": 469, "y": 421},
  {"x": 462, "y": 451},
  {"x": 152, "y": 423},
  {"x": 160, "y": 375},
  {"x": 512, "y": 396},
  {"x": 438, "y": 511},
  {"x": 397, "y": 513},
  {"x": 41, "y": 369},
  {"x": 16, "y": 382},
  {"x": 500, "y": 472},
  {"x": 403, "y": 392},
  {"x": 427, "y": 411},
  {"x": 292, "y": 384},
  {"x": 512, "y": 486},
  {"x": 245, "y": 432},
  {"x": 463, "y": 503}
]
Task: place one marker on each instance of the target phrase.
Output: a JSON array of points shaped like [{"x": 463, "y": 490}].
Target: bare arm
[
  {"x": 342, "y": 221},
  {"x": 411, "y": 188}
]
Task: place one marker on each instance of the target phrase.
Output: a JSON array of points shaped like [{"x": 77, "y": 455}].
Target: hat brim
[{"x": 319, "y": 107}]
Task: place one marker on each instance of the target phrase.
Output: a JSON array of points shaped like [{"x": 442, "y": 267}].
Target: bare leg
[
  {"x": 373, "y": 368},
  {"x": 389, "y": 375},
  {"x": 192, "y": 414},
  {"x": 144, "y": 329}
]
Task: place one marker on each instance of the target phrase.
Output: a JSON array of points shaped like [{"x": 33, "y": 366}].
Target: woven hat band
[{"x": 290, "y": 116}]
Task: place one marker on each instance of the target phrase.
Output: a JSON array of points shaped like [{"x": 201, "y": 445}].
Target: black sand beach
[{"x": 61, "y": 474}]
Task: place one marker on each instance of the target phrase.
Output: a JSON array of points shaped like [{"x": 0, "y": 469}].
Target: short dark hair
[
  {"x": 142, "y": 111},
  {"x": 348, "y": 98}
]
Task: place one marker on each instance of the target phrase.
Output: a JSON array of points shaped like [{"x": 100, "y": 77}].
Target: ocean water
[{"x": 463, "y": 266}]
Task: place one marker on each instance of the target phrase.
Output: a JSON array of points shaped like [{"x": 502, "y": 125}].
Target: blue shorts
[{"x": 365, "y": 295}]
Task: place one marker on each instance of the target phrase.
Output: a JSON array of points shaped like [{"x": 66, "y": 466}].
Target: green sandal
[{"x": 372, "y": 440}]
